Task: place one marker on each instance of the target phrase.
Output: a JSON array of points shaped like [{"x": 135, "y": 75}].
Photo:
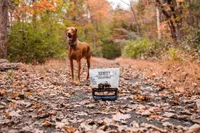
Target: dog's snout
[{"x": 69, "y": 35}]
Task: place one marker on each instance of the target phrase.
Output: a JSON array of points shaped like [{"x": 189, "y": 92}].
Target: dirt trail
[{"x": 41, "y": 99}]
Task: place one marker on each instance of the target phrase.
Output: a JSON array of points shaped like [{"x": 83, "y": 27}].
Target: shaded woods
[{"x": 34, "y": 30}]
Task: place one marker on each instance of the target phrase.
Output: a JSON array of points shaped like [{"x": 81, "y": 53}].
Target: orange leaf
[
  {"x": 28, "y": 94},
  {"x": 2, "y": 92},
  {"x": 175, "y": 100},
  {"x": 38, "y": 90},
  {"x": 46, "y": 123},
  {"x": 105, "y": 110},
  {"x": 35, "y": 106},
  {"x": 11, "y": 104},
  {"x": 69, "y": 129},
  {"x": 7, "y": 115},
  {"x": 14, "y": 95},
  {"x": 155, "y": 116}
]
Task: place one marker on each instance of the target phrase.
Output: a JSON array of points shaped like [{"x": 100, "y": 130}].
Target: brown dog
[{"x": 76, "y": 51}]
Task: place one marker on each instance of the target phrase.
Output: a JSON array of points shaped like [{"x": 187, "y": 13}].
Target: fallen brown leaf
[
  {"x": 14, "y": 95},
  {"x": 11, "y": 104},
  {"x": 36, "y": 106},
  {"x": 142, "y": 98},
  {"x": 46, "y": 123},
  {"x": 69, "y": 129},
  {"x": 2, "y": 92},
  {"x": 194, "y": 129},
  {"x": 120, "y": 116},
  {"x": 28, "y": 94}
]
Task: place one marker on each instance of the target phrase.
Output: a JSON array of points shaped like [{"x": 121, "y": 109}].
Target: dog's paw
[
  {"x": 78, "y": 82},
  {"x": 73, "y": 81}
]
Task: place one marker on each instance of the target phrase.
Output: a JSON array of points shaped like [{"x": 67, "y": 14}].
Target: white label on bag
[{"x": 107, "y": 76}]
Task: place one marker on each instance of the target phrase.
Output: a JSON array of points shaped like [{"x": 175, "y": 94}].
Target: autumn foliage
[{"x": 39, "y": 26}]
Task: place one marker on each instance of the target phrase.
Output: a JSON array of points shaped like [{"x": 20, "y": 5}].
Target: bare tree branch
[
  {"x": 133, "y": 13},
  {"x": 125, "y": 3}
]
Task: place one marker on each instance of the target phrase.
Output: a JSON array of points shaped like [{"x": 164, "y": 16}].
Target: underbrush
[
  {"x": 144, "y": 48},
  {"x": 36, "y": 44},
  {"x": 136, "y": 48},
  {"x": 110, "y": 50},
  {"x": 192, "y": 40},
  {"x": 174, "y": 54}
]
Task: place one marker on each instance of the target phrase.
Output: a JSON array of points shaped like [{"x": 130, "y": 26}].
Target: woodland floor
[{"x": 154, "y": 97}]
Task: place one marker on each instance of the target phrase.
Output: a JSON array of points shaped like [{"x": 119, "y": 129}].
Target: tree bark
[
  {"x": 134, "y": 16},
  {"x": 168, "y": 16},
  {"x": 158, "y": 22},
  {"x": 94, "y": 25},
  {"x": 4, "y": 5},
  {"x": 179, "y": 21},
  {"x": 173, "y": 12},
  {"x": 34, "y": 16}
]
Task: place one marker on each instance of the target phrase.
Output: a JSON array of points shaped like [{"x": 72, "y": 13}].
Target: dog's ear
[
  {"x": 75, "y": 29},
  {"x": 66, "y": 31},
  {"x": 76, "y": 32}
]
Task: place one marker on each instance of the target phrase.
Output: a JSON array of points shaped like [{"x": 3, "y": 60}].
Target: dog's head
[{"x": 71, "y": 33}]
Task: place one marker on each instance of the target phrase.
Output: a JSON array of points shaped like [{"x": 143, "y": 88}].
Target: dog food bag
[{"x": 104, "y": 78}]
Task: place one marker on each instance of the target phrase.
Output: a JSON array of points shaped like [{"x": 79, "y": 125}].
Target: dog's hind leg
[
  {"x": 72, "y": 69},
  {"x": 79, "y": 70},
  {"x": 88, "y": 56},
  {"x": 88, "y": 65}
]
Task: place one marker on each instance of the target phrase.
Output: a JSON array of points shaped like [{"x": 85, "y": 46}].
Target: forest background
[{"x": 33, "y": 31}]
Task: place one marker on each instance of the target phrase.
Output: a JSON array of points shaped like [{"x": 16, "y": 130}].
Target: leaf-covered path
[{"x": 41, "y": 99}]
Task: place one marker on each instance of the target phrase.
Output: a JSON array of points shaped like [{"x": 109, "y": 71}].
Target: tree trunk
[
  {"x": 179, "y": 21},
  {"x": 94, "y": 25},
  {"x": 4, "y": 4},
  {"x": 34, "y": 17},
  {"x": 158, "y": 23},
  {"x": 169, "y": 17},
  {"x": 134, "y": 16},
  {"x": 173, "y": 11}
]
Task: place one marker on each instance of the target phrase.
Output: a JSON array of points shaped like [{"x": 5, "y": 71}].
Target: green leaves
[
  {"x": 110, "y": 50},
  {"x": 16, "y": 2},
  {"x": 36, "y": 44},
  {"x": 136, "y": 48}
]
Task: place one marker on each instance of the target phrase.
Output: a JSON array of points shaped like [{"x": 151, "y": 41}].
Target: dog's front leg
[
  {"x": 72, "y": 69},
  {"x": 79, "y": 70}
]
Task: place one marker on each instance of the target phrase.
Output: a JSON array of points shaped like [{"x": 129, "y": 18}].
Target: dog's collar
[{"x": 72, "y": 44}]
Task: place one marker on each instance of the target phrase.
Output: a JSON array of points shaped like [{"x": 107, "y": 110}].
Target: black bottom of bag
[{"x": 105, "y": 97}]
